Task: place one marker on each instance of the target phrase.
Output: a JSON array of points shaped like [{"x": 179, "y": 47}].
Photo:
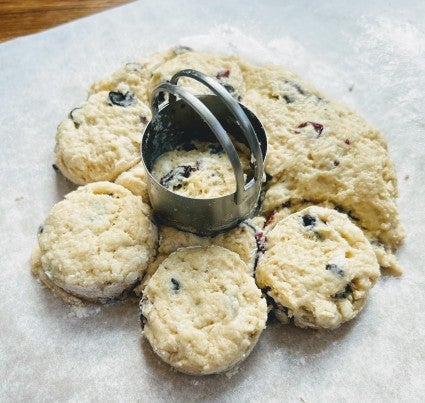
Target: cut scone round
[
  {"x": 101, "y": 139},
  {"x": 201, "y": 310},
  {"x": 97, "y": 243},
  {"x": 317, "y": 268}
]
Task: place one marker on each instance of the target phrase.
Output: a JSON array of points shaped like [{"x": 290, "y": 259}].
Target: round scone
[
  {"x": 101, "y": 139},
  {"x": 97, "y": 242},
  {"x": 317, "y": 268},
  {"x": 202, "y": 312}
]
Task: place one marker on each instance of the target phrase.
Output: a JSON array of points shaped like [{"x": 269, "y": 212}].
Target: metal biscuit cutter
[{"x": 205, "y": 118}]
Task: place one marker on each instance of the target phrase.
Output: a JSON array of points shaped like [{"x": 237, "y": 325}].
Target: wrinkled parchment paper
[{"x": 370, "y": 55}]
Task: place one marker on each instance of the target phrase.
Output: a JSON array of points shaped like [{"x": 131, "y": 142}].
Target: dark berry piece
[
  {"x": 336, "y": 163},
  {"x": 270, "y": 218},
  {"x": 261, "y": 240},
  {"x": 309, "y": 220},
  {"x": 143, "y": 320},
  {"x": 40, "y": 230},
  {"x": 215, "y": 148},
  {"x": 55, "y": 167},
  {"x": 119, "y": 99},
  {"x": 287, "y": 99},
  {"x": 144, "y": 119},
  {"x": 334, "y": 268},
  {"x": 296, "y": 86},
  {"x": 73, "y": 118},
  {"x": 188, "y": 147},
  {"x": 223, "y": 74},
  {"x": 176, "y": 284},
  {"x": 344, "y": 293},
  {"x": 179, "y": 173},
  {"x": 318, "y": 127},
  {"x": 347, "y": 141},
  {"x": 229, "y": 88}
]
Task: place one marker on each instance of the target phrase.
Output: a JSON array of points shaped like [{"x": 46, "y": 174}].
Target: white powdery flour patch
[{"x": 284, "y": 51}]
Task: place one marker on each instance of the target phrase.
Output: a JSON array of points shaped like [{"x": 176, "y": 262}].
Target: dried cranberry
[
  {"x": 318, "y": 127},
  {"x": 223, "y": 74},
  {"x": 261, "y": 240},
  {"x": 270, "y": 218}
]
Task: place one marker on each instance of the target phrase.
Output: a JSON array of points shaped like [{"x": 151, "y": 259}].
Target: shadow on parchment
[
  {"x": 63, "y": 185},
  {"x": 296, "y": 341}
]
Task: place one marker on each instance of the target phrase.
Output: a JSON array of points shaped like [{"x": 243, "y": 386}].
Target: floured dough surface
[
  {"x": 317, "y": 268},
  {"x": 225, "y": 69},
  {"x": 101, "y": 139},
  {"x": 199, "y": 169},
  {"x": 135, "y": 181},
  {"x": 320, "y": 151},
  {"x": 201, "y": 310},
  {"x": 97, "y": 243},
  {"x": 246, "y": 240}
]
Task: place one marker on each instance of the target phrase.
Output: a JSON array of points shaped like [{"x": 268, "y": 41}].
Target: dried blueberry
[
  {"x": 176, "y": 284},
  {"x": 287, "y": 99},
  {"x": 119, "y": 99},
  {"x": 178, "y": 174},
  {"x": 188, "y": 147},
  {"x": 309, "y": 220},
  {"x": 318, "y": 127},
  {"x": 74, "y": 118},
  {"x": 344, "y": 293},
  {"x": 296, "y": 86},
  {"x": 143, "y": 320},
  {"x": 336, "y": 163},
  {"x": 336, "y": 269},
  {"x": 229, "y": 88},
  {"x": 215, "y": 148}
]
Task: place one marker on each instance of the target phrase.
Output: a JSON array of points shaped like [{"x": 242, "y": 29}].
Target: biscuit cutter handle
[
  {"x": 210, "y": 120},
  {"x": 237, "y": 113}
]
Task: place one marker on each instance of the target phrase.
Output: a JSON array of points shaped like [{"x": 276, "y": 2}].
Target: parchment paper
[{"x": 52, "y": 352}]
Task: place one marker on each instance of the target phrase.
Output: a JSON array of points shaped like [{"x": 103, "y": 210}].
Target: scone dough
[
  {"x": 97, "y": 243},
  {"x": 135, "y": 181},
  {"x": 201, "y": 310},
  {"x": 225, "y": 69},
  {"x": 317, "y": 268},
  {"x": 320, "y": 151},
  {"x": 199, "y": 169},
  {"x": 246, "y": 240},
  {"x": 101, "y": 139}
]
